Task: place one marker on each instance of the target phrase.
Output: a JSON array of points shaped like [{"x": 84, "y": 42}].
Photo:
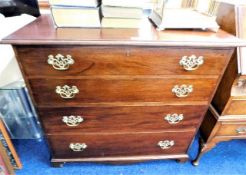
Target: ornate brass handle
[
  {"x": 174, "y": 118},
  {"x": 60, "y": 62},
  {"x": 241, "y": 130},
  {"x": 72, "y": 120},
  {"x": 191, "y": 63},
  {"x": 66, "y": 91},
  {"x": 78, "y": 147},
  {"x": 182, "y": 91},
  {"x": 166, "y": 144}
]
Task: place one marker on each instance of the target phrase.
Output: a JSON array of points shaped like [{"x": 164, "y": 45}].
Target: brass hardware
[
  {"x": 66, "y": 91},
  {"x": 60, "y": 62},
  {"x": 174, "y": 118},
  {"x": 72, "y": 120},
  {"x": 166, "y": 144},
  {"x": 191, "y": 63},
  {"x": 183, "y": 90},
  {"x": 78, "y": 147},
  {"x": 241, "y": 130}
]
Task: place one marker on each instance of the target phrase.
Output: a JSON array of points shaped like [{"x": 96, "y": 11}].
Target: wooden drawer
[
  {"x": 121, "y": 60},
  {"x": 232, "y": 129},
  {"x": 103, "y": 145},
  {"x": 120, "y": 90},
  {"x": 236, "y": 107},
  {"x": 123, "y": 119}
]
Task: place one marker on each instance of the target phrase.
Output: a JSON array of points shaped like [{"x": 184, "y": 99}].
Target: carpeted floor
[{"x": 228, "y": 158}]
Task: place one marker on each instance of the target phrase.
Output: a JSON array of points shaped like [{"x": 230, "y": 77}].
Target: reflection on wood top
[{"x": 42, "y": 31}]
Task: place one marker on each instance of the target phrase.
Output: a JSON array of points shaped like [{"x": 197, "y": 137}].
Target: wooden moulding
[
  {"x": 128, "y": 159},
  {"x": 43, "y": 32},
  {"x": 237, "y": 101},
  {"x": 9, "y": 147}
]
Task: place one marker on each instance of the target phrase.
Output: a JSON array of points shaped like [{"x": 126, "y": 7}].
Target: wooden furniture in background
[
  {"x": 232, "y": 18},
  {"x": 226, "y": 118},
  {"x": 224, "y": 121},
  {"x": 120, "y": 95}
]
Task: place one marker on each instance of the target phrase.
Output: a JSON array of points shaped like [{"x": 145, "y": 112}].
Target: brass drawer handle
[
  {"x": 72, "y": 120},
  {"x": 191, "y": 63},
  {"x": 60, "y": 62},
  {"x": 166, "y": 144},
  {"x": 66, "y": 91},
  {"x": 182, "y": 91},
  {"x": 77, "y": 147},
  {"x": 174, "y": 118},
  {"x": 241, "y": 130}
]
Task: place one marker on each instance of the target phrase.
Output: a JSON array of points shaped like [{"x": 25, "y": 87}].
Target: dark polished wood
[
  {"x": 223, "y": 93},
  {"x": 226, "y": 118},
  {"x": 121, "y": 159},
  {"x": 43, "y": 32},
  {"x": 43, "y": 4},
  {"x": 215, "y": 129},
  {"x": 119, "y": 90},
  {"x": 125, "y": 79},
  {"x": 121, "y": 119},
  {"x": 107, "y": 145},
  {"x": 121, "y": 60}
]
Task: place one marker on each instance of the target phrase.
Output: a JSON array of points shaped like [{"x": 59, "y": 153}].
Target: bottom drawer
[
  {"x": 232, "y": 129},
  {"x": 103, "y": 145}
]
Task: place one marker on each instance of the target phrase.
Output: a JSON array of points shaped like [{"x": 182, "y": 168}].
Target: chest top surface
[{"x": 42, "y": 31}]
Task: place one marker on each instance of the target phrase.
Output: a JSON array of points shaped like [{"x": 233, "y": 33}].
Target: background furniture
[
  {"x": 225, "y": 119},
  {"x": 18, "y": 113},
  {"x": 120, "y": 95}
]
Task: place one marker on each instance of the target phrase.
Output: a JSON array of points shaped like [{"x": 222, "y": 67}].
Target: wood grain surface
[
  {"x": 42, "y": 31},
  {"x": 103, "y": 145},
  {"x": 119, "y": 90},
  {"x": 121, "y": 60}
]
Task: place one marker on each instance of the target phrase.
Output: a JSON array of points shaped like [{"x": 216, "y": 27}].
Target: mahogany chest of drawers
[{"x": 120, "y": 95}]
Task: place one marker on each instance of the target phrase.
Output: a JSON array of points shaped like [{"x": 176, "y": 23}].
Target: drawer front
[
  {"x": 120, "y": 60},
  {"x": 103, "y": 145},
  {"x": 233, "y": 129},
  {"x": 54, "y": 92},
  {"x": 123, "y": 119},
  {"x": 236, "y": 107}
]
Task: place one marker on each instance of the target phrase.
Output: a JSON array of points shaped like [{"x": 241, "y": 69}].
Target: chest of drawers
[{"x": 120, "y": 95}]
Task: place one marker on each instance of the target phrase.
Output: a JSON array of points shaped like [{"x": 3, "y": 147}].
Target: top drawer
[{"x": 102, "y": 60}]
